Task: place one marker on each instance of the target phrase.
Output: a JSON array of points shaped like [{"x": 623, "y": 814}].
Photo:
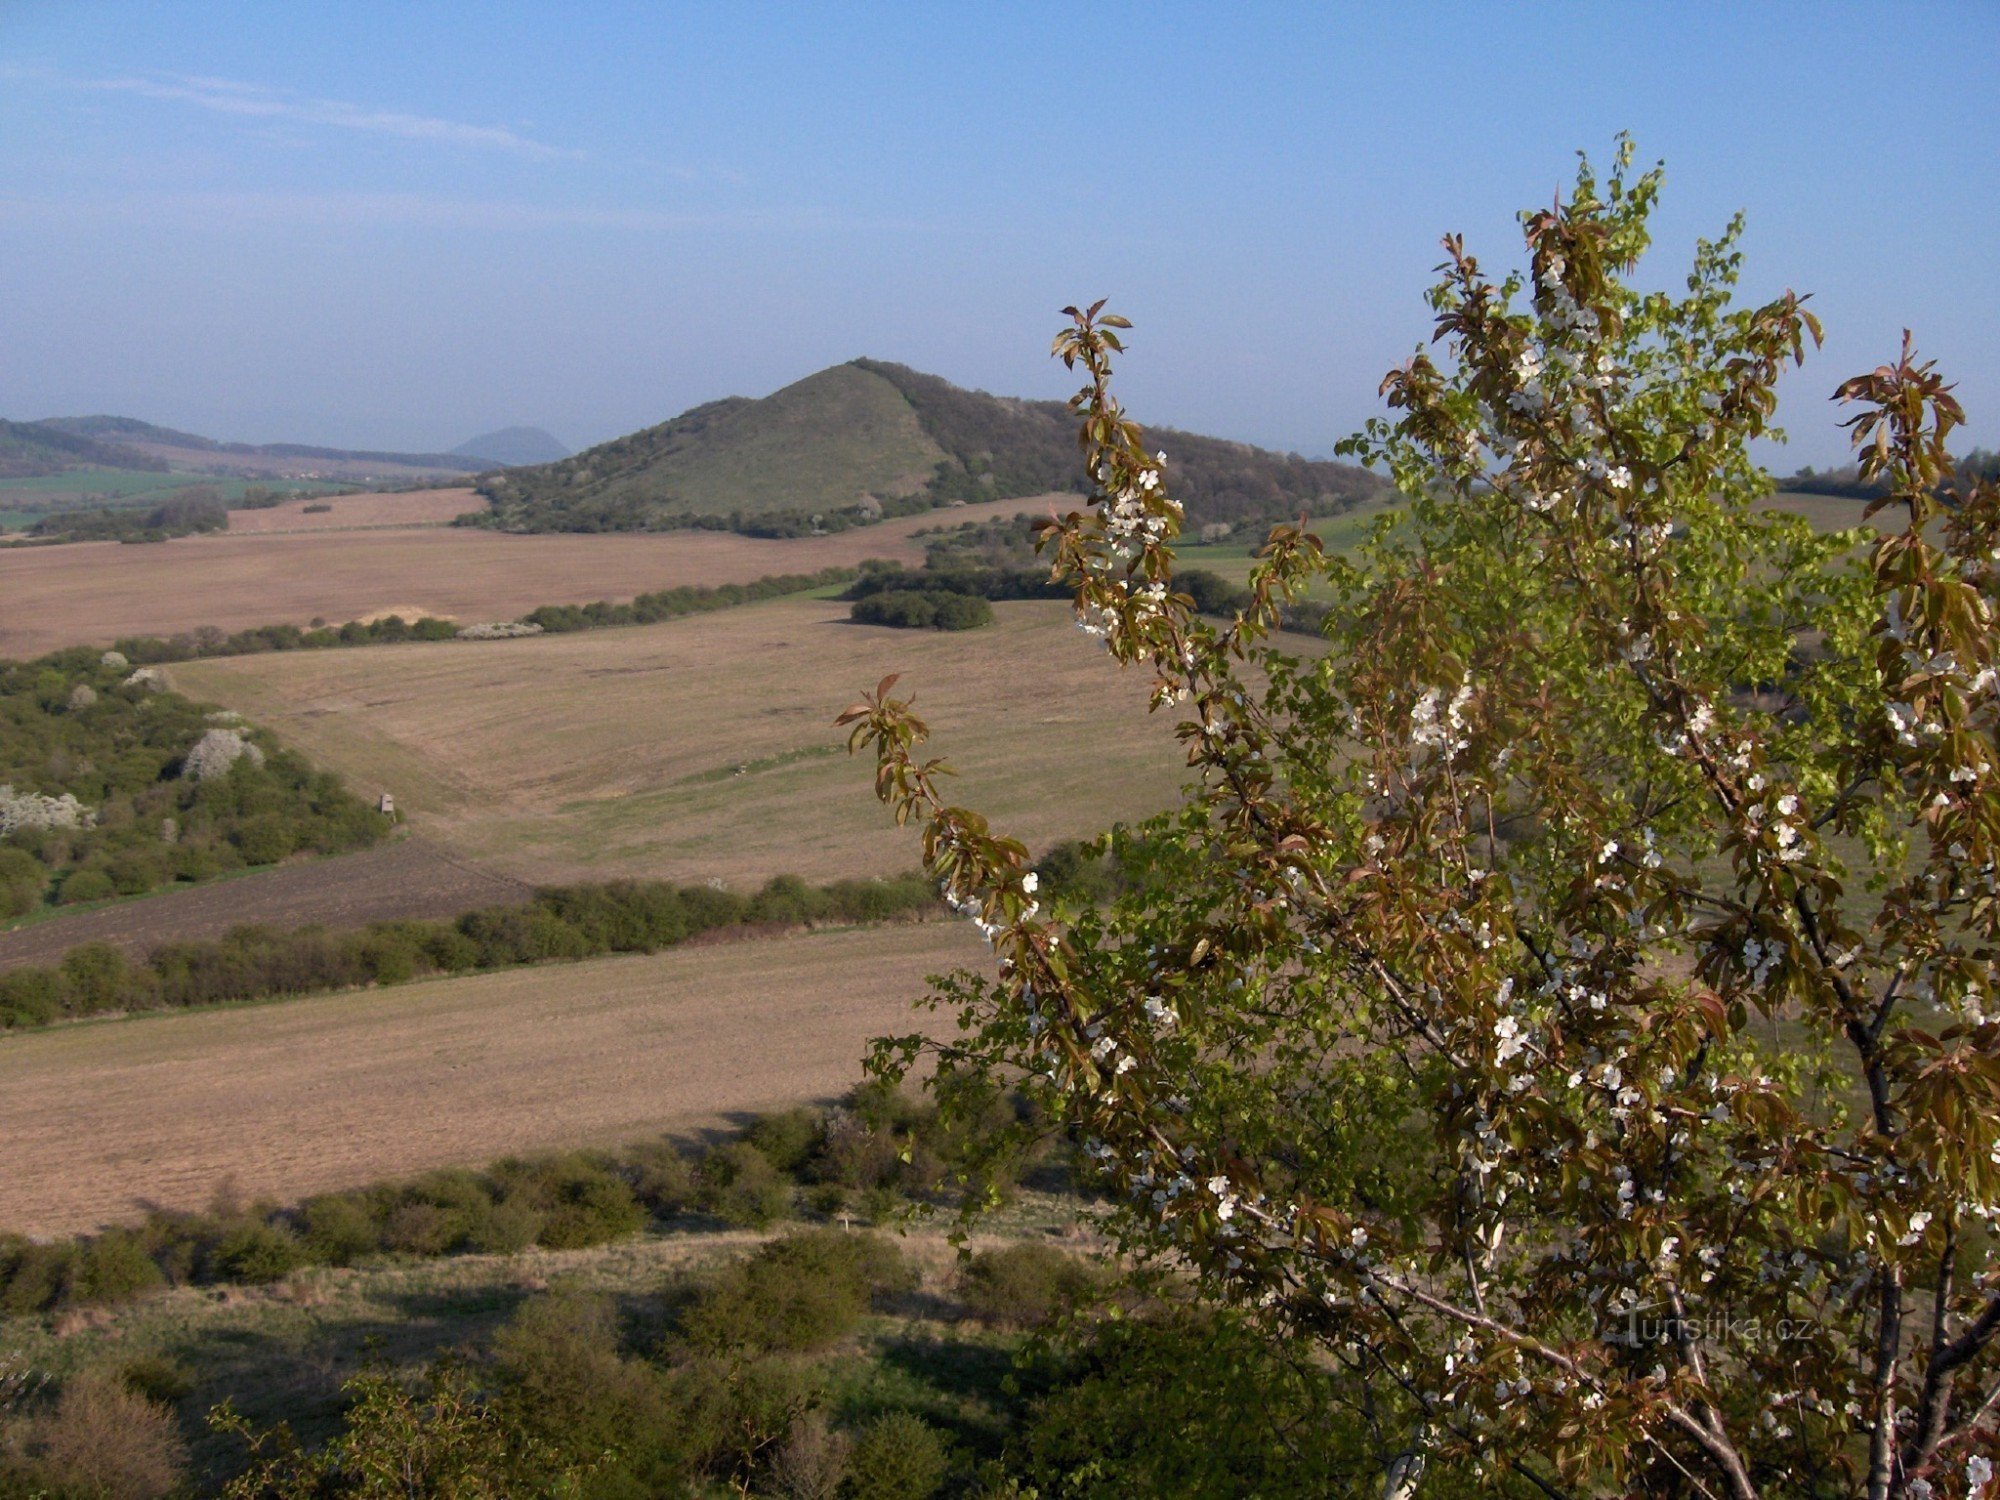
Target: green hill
[{"x": 867, "y": 439}]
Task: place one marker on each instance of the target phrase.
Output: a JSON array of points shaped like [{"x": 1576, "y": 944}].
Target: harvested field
[
  {"x": 705, "y": 747},
  {"x": 409, "y": 878},
  {"x": 359, "y": 512},
  {"x": 98, "y": 1120},
  {"x": 91, "y": 593}
]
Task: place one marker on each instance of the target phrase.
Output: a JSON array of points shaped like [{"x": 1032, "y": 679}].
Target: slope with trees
[{"x": 865, "y": 440}]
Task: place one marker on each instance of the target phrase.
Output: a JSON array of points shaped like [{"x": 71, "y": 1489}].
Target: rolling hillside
[
  {"x": 126, "y": 442},
  {"x": 32, "y": 449},
  {"x": 862, "y": 440}
]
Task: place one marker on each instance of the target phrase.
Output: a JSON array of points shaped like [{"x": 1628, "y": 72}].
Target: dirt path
[
  {"x": 99, "y": 1120},
  {"x": 409, "y": 878}
]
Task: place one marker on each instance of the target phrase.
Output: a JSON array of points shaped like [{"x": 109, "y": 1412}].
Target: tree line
[{"x": 562, "y": 922}]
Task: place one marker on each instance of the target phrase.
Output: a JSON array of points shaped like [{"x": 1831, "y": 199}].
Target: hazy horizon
[{"x": 375, "y": 229}]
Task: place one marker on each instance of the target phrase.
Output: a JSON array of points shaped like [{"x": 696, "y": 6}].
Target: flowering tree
[{"x": 1566, "y": 1001}]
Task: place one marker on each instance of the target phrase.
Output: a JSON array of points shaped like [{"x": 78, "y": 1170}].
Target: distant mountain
[
  {"x": 126, "y": 442},
  {"x": 513, "y": 445},
  {"x": 30, "y": 449},
  {"x": 864, "y": 439}
]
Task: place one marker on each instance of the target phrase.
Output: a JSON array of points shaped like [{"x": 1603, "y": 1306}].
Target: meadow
[
  {"x": 704, "y": 747},
  {"x": 100, "y": 1119},
  {"x": 92, "y": 593}
]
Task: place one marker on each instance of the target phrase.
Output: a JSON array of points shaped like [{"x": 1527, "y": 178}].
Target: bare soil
[
  {"x": 407, "y": 879},
  {"x": 359, "y": 512},
  {"x": 90, "y": 593},
  {"x": 99, "y": 1121}
]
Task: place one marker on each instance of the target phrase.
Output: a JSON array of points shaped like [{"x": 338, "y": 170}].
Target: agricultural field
[
  {"x": 705, "y": 747},
  {"x": 359, "y": 512},
  {"x": 91, "y": 593},
  {"x": 407, "y": 879},
  {"x": 99, "y": 1119}
]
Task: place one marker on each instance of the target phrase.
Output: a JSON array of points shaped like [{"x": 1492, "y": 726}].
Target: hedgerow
[{"x": 560, "y": 922}]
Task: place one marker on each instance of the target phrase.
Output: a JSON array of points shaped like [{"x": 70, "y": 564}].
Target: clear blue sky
[{"x": 396, "y": 225}]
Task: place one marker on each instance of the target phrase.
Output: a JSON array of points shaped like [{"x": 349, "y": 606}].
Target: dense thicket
[
  {"x": 98, "y": 798},
  {"x": 196, "y": 509},
  {"x": 564, "y": 922}
]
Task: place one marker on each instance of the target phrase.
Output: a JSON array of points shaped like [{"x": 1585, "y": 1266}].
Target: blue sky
[{"x": 395, "y": 225}]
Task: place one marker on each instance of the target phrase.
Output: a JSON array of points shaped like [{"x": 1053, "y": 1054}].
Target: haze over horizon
[{"x": 380, "y": 229}]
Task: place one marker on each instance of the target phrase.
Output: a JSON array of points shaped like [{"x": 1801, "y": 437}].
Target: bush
[
  {"x": 256, "y": 1252},
  {"x": 739, "y": 1183},
  {"x": 662, "y": 1178},
  {"x": 796, "y": 1294},
  {"x": 564, "y": 1381},
  {"x": 1023, "y": 1285},
  {"x": 85, "y": 885},
  {"x": 788, "y": 1140},
  {"x": 114, "y": 1267},
  {"x": 811, "y": 1463},
  {"x": 104, "y": 1439},
  {"x": 898, "y": 1456},
  {"x": 339, "y": 1230},
  {"x": 581, "y": 1200}
]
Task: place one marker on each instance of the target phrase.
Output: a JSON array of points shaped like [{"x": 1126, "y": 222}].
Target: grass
[
  {"x": 287, "y": 1099},
  {"x": 821, "y": 443},
  {"x": 705, "y": 747}
]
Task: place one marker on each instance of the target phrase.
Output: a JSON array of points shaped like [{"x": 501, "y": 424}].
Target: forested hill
[
  {"x": 868, "y": 439},
  {"x": 29, "y": 449}
]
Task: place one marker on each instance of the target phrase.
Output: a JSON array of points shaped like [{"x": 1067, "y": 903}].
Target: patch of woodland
[{"x": 110, "y": 785}]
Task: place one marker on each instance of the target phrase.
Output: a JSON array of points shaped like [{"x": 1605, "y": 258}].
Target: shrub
[
  {"x": 33, "y": 1277},
  {"x": 113, "y": 1267},
  {"x": 739, "y": 1183},
  {"x": 85, "y": 885},
  {"x": 565, "y": 1382},
  {"x": 663, "y": 1179},
  {"x": 582, "y": 1201},
  {"x": 1023, "y": 1285},
  {"x": 796, "y": 1294},
  {"x": 339, "y": 1230},
  {"x": 256, "y": 1252},
  {"x": 898, "y": 1456},
  {"x": 788, "y": 1140},
  {"x": 104, "y": 1439},
  {"x": 811, "y": 1463}
]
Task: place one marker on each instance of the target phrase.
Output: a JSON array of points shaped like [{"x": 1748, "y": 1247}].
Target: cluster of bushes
[
  {"x": 568, "y": 922},
  {"x": 690, "y": 599},
  {"x": 942, "y": 598},
  {"x": 870, "y": 1156},
  {"x": 79, "y": 725},
  {"x": 195, "y": 509},
  {"x": 923, "y": 609}
]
